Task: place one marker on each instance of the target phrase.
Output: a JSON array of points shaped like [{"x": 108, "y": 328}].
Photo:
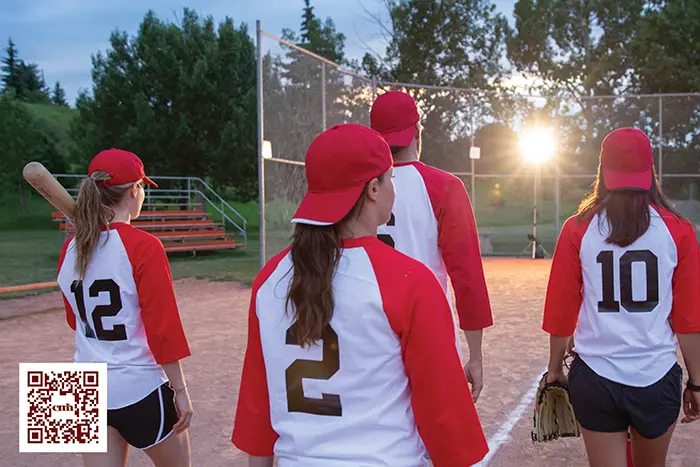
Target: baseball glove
[{"x": 554, "y": 416}]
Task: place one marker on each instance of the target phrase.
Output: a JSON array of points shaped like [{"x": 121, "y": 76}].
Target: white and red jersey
[
  {"x": 433, "y": 222},
  {"x": 124, "y": 311},
  {"x": 385, "y": 383},
  {"x": 619, "y": 300}
]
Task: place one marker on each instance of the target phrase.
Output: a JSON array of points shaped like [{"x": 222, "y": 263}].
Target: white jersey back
[
  {"x": 105, "y": 309},
  {"x": 432, "y": 222},
  {"x": 379, "y": 375},
  {"x": 628, "y": 296}
]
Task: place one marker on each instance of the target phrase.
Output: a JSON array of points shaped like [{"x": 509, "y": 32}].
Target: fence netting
[{"x": 303, "y": 95}]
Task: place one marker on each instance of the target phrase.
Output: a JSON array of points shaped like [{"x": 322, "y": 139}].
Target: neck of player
[
  {"x": 408, "y": 154},
  {"x": 358, "y": 227},
  {"x": 121, "y": 214}
]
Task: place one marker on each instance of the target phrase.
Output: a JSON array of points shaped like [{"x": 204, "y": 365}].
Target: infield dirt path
[{"x": 215, "y": 319}]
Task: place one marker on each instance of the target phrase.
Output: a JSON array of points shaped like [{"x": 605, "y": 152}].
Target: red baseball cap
[
  {"x": 339, "y": 163},
  {"x": 123, "y": 166},
  {"x": 394, "y": 115},
  {"x": 627, "y": 160}
]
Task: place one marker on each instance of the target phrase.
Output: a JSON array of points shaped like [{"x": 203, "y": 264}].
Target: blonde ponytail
[{"x": 93, "y": 210}]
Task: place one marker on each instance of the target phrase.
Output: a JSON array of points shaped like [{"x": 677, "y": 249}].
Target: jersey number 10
[
  {"x": 609, "y": 304},
  {"x": 118, "y": 331}
]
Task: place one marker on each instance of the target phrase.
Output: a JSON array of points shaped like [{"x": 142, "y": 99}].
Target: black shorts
[
  {"x": 606, "y": 406},
  {"x": 148, "y": 421}
]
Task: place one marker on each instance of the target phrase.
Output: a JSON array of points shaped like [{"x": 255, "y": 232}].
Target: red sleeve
[
  {"x": 419, "y": 313},
  {"x": 252, "y": 430},
  {"x": 685, "y": 312},
  {"x": 565, "y": 287},
  {"x": 70, "y": 315},
  {"x": 458, "y": 239},
  {"x": 154, "y": 285}
]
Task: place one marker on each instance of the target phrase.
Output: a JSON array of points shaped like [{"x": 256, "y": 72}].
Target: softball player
[
  {"x": 119, "y": 300},
  {"x": 625, "y": 278},
  {"x": 433, "y": 222},
  {"x": 351, "y": 356}
]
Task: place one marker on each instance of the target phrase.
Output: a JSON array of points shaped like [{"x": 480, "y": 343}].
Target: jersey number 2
[
  {"x": 118, "y": 331},
  {"x": 609, "y": 304},
  {"x": 314, "y": 369}
]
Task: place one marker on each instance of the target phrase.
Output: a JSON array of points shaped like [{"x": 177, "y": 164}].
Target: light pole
[{"x": 537, "y": 146}]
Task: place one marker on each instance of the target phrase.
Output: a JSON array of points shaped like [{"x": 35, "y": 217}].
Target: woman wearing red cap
[
  {"x": 119, "y": 300},
  {"x": 625, "y": 278},
  {"x": 351, "y": 356}
]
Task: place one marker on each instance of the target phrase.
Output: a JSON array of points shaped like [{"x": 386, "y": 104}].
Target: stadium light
[
  {"x": 537, "y": 145},
  {"x": 267, "y": 150}
]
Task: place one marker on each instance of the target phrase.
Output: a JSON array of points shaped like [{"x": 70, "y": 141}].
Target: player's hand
[
  {"x": 474, "y": 369},
  {"x": 183, "y": 404},
  {"x": 691, "y": 406},
  {"x": 556, "y": 376}
]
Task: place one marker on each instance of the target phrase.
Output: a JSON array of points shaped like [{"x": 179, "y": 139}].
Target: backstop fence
[{"x": 300, "y": 94}]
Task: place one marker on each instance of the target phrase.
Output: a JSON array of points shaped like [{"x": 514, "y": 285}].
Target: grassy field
[{"x": 30, "y": 242}]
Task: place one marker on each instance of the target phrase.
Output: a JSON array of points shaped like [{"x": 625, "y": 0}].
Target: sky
[{"x": 60, "y": 36}]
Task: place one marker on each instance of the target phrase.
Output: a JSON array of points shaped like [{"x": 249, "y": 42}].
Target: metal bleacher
[{"x": 187, "y": 216}]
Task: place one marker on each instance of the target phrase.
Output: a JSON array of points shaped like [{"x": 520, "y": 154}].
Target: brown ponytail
[
  {"x": 93, "y": 210},
  {"x": 315, "y": 252}
]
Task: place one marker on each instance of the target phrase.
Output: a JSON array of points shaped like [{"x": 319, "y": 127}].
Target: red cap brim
[
  {"x": 327, "y": 208},
  {"x": 616, "y": 180},
  {"x": 400, "y": 138},
  {"x": 149, "y": 181}
]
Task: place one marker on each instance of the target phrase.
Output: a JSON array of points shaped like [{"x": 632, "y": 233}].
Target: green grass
[
  {"x": 29, "y": 256},
  {"x": 30, "y": 242}
]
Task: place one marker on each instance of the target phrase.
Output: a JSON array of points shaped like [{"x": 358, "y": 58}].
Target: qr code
[{"x": 63, "y": 407}]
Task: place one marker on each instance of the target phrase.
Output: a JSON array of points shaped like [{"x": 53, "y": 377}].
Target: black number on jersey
[
  {"x": 118, "y": 331},
  {"x": 314, "y": 369},
  {"x": 386, "y": 238},
  {"x": 609, "y": 304}
]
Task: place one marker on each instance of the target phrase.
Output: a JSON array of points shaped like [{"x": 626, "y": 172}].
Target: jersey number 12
[
  {"x": 118, "y": 331},
  {"x": 609, "y": 304}
]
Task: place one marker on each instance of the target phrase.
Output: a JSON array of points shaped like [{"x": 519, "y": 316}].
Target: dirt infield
[{"x": 214, "y": 315}]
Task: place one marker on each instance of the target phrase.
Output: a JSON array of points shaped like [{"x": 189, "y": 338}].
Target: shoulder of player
[
  {"x": 577, "y": 225},
  {"x": 679, "y": 227},
  {"x": 138, "y": 240},
  {"x": 269, "y": 268},
  {"x": 396, "y": 268},
  {"x": 435, "y": 175},
  {"x": 66, "y": 244}
]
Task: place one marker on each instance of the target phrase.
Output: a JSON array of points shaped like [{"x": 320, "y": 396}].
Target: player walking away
[
  {"x": 625, "y": 278},
  {"x": 351, "y": 351},
  {"x": 432, "y": 221},
  {"x": 119, "y": 300}
]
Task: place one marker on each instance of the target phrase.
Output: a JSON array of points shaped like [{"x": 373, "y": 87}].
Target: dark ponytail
[{"x": 315, "y": 252}]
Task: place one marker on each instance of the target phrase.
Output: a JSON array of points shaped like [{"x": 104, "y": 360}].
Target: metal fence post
[
  {"x": 323, "y": 95},
  {"x": 557, "y": 223},
  {"x": 661, "y": 141},
  {"x": 261, "y": 135}
]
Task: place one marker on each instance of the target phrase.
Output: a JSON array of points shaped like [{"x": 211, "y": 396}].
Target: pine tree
[
  {"x": 309, "y": 24},
  {"x": 10, "y": 68},
  {"x": 59, "y": 96}
]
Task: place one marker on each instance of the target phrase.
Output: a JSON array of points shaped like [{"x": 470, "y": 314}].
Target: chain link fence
[{"x": 302, "y": 94}]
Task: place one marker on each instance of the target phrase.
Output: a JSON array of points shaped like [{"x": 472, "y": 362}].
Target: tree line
[{"x": 182, "y": 94}]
